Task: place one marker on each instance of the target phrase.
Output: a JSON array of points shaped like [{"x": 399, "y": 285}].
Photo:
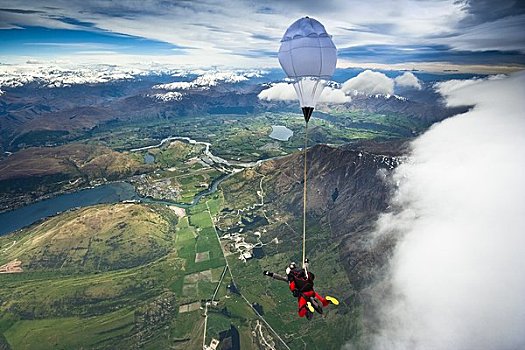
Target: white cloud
[
  {"x": 408, "y": 79},
  {"x": 333, "y": 95},
  {"x": 447, "y": 88},
  {"x": 457, "y": 272},
  {"x": 286, "y": 92},
  {"x": 279, "y": 92},
  {"x": 370, "y": 83}
]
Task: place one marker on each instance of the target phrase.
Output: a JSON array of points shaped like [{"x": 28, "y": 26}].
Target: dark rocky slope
[{"x": 348, "y": 188}]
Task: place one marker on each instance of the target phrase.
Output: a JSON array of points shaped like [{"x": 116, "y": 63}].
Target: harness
[{"x": 302, "y": 283}]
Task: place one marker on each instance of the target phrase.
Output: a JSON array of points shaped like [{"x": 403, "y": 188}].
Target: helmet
[{"x": 290, "y": 267}]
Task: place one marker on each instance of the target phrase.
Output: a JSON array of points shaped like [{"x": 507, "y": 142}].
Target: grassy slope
[
  {"x": 48, "y": 307},
  {"x": 74, "y": 160},
  {"x": 96, "y": 238},
  {"x": 35, "y": 172}
]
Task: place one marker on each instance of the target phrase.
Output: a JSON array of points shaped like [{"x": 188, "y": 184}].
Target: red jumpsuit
[{"x": 306, "y": 287}]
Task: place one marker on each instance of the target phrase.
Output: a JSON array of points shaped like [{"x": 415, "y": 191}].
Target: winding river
[{"x": 112, "y": 192}]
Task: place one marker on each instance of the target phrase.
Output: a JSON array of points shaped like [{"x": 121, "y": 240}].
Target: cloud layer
[
  {"x": 367, "y": 82},
  {"x": 457, "y": 278},
  {"x": 286, "y": 92},
  {"x": 376, "y": 83}
]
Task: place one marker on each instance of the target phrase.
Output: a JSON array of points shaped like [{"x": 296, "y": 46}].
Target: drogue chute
[{"x": 308, "y": 56}]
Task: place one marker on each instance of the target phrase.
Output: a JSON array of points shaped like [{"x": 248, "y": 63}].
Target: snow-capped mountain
[
  {"x": 209, "y": 79},
  {"x": 70, "y": 100}
]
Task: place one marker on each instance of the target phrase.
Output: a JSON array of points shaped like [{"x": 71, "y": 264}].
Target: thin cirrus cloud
[
  {"x": 435, "y": 53},
  {"x": 375, "y": 31}
]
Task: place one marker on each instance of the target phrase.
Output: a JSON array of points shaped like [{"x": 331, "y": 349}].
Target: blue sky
[
  {"x": 241, "y": 33},
  {"x": 52, "y": 42}
]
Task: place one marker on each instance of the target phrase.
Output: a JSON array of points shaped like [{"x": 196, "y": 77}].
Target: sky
[{"x": 246, "y": 33}]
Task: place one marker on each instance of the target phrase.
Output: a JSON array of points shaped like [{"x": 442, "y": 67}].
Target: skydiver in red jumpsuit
[{"x": 301, "y": 283}]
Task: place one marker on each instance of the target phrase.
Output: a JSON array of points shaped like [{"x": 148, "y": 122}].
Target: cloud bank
[
  {"x": 278, "y": 92},
  {"x": 457, "y": 278},
  {"x": 370, "y": 82},
  {"x": 367, "y": 82},
  {"x": 286, "y": 92}
]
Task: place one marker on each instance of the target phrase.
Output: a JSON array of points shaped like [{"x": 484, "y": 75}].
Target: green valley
[{"x": 184, "y": 265}]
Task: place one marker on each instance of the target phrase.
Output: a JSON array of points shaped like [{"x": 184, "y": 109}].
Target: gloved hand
[
  {"x": 268, "y": 273},
  {"x": 296, "y": 293}
]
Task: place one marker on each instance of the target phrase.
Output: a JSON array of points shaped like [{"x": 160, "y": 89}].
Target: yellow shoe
[
  {"x": 310, "y": 307},
  {"x": 332, "y": 300}
]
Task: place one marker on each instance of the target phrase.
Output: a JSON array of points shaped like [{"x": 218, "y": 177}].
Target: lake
[
  {"x": 281, "y": 133},
  {"x": 149, "y": 158},
  {"x": 24, "y": 216},
  {"x": 110, "y": 193}
]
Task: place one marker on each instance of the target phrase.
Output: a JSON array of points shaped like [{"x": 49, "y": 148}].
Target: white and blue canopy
[
  {"x": 307, "y": 50},
  {"x": 308, "y": 56}
]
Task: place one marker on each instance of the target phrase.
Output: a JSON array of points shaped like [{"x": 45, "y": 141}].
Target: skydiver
[{"x": 301, "y": 283}]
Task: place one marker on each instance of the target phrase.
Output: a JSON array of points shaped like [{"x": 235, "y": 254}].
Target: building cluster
[
  {"x": 238, "y": 245},
  {"x": 159, "y": 188},
  {"x": 213, "y": 345}
]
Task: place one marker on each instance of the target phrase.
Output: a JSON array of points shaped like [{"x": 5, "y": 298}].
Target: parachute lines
[{"x": 304, "y": 191}]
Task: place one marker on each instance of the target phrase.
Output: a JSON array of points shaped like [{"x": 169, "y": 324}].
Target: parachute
[{"x": 308, "y": 57}]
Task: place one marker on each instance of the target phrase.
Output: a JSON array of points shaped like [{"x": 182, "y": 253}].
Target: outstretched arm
[
  {"x": 275, "y": 276},
  {"x": 280, "y": 277}
]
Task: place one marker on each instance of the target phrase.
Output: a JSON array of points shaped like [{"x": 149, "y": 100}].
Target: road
[{"x": 242, "y": 296}]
